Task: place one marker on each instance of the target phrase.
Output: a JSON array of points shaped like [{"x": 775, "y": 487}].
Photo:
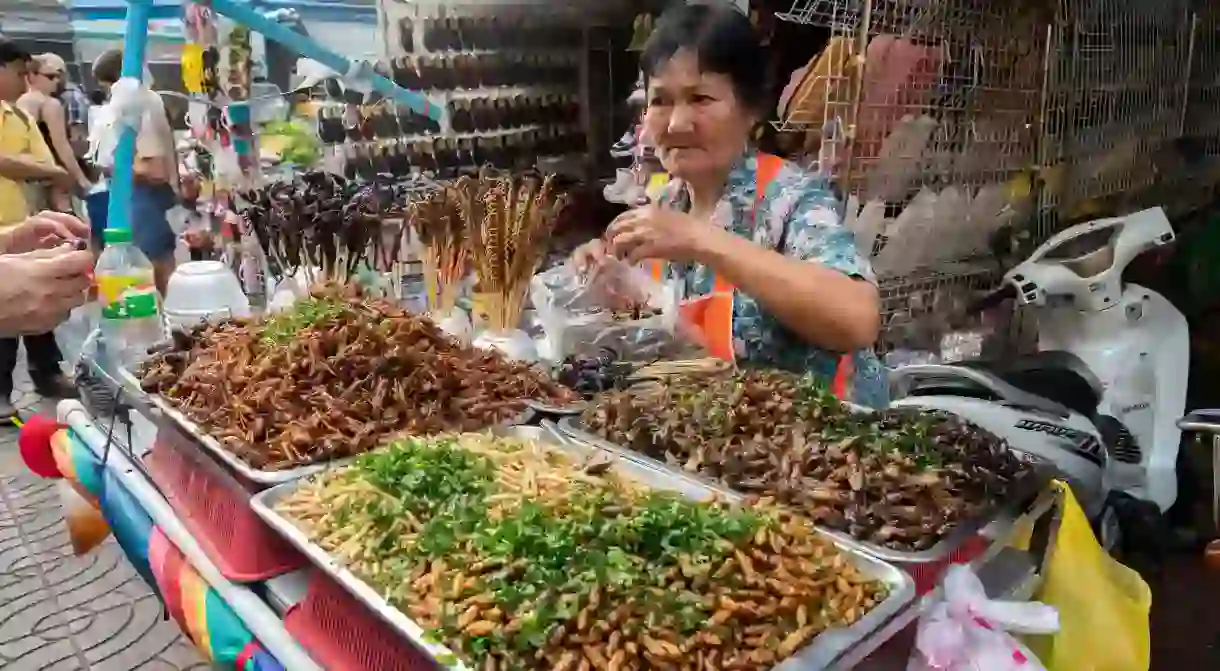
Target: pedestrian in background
[
  {"x": 156, "y": 183},
  {"x": 25, "y": 161},
  {"x": 47, "y": 82}
]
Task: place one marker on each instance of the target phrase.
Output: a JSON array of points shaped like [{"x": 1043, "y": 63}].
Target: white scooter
[{"x": 1101, "y": 398}]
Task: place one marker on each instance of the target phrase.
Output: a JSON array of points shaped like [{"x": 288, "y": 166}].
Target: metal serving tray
[
  {"x": 129, "y": 381},
  {"x": 819, "y": 654},
  {"x": 1028, "y": 487},
  {"x": 207, "y": 442}
]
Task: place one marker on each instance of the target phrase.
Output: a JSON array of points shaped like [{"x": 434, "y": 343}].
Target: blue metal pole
[
  {"x": 242, "y": 13},
  {"x": 135, "y": 39}
]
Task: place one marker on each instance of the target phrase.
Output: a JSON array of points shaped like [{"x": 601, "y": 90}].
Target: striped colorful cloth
[{"x": 200, "y": 612}]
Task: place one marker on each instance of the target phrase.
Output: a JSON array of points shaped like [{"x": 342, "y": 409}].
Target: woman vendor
[{"x": 770, "y": 275}]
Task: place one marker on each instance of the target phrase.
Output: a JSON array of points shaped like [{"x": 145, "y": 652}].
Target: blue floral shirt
[{"x": 798, "y": 216}]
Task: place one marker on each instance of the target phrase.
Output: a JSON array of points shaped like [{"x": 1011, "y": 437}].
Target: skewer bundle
[
  {"x": 439, "y": 223},
  {"x": 509, "y": 224}
]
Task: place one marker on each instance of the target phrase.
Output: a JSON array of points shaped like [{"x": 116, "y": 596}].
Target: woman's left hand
[{"x": 653, "y": 232}]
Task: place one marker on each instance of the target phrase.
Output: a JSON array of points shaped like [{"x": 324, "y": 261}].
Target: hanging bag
[{"x": 1103, "y": 605}]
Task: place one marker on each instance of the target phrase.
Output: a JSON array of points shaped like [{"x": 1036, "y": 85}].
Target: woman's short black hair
[{"x": 721, "y": 39}]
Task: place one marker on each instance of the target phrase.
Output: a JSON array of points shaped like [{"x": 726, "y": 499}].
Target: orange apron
[{"x": 711, "y": 315}]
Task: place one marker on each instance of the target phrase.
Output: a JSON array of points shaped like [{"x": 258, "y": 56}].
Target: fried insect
[
  {"x": 900, "y": 479},
  {"x": 333, "y": 378},
  {"x": 517, "y": 557}
]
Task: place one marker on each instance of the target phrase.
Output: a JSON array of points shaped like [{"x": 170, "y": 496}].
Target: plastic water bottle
[{"x": 127, "y": 291}]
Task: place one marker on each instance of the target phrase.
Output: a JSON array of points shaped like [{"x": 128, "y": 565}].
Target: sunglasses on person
[{"x": 53, "y": 76}]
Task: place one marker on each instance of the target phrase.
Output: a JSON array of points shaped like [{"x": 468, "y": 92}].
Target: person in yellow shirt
[
  {"x": 25, "y": 160},
  {"x": 24, "y": 156}
]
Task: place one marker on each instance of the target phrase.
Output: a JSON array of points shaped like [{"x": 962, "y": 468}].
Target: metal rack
[
  {"x": 405, "y": 38},
  {"x": 1192, "y": 183},
  {"x": 835, "y": 14}
]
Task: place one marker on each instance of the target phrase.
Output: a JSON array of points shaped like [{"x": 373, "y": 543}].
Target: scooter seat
[{"x": 1056, "y": 376}]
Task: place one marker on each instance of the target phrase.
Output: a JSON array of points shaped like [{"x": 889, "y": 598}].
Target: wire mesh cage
[
  {"x": 924, "y": 113},
  {"x": 836, "y": 14},
  {"x": 925, "y": 92},
  {"x": 1192, "y": 183},
  {"x": 958, "y": 128},
  {"x": 1203, "y": 89},
  {"x": 914, "y": 305},
  {"x": 1115, "y": 105}
]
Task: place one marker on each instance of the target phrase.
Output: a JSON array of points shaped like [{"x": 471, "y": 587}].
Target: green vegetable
[
  {"x": 302, "y": 147},
  {"x": 282, "y": 328},
  {"x": 552, "y": 552}
]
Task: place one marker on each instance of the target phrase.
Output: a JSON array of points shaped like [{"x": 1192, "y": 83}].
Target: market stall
[
  {"x": 172, "y": 502},
  {"x": 260, "y": 462},
  {"x": 433, "y": 450}
]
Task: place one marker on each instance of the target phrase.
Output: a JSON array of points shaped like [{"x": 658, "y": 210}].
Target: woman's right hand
[{"x": 589, "y": 256}]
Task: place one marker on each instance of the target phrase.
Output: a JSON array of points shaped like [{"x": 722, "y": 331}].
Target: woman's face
[
  {"x": 46, "y": 79},
  {"x": 695, "y": 119}
]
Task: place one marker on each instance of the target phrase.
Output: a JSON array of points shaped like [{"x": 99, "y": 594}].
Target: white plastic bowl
[{"x": 202, "y": 290}]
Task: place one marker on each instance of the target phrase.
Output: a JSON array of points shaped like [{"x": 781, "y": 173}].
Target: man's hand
[
  {"x": 39, "y": 289},
  {"x": 44, "y": 230},
  {"x": 190, "y": 187}
]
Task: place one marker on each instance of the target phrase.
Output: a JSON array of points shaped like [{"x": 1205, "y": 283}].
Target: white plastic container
[
  {"x": 127, "y": 291},
  {"x": 201, "y": 291}
]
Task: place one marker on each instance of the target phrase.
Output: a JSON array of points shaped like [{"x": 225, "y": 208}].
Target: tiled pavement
[{"x": 60, "y": 612}]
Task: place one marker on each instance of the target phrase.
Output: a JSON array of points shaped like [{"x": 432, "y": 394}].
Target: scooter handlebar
[
  {"x": 993, "y": 298},
  {"x": 1202, "y": 421}
]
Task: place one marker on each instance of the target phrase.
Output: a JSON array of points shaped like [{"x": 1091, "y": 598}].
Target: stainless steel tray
[
  {"x": 547, "y": 409},
  {"x": 1031, "y": 485},
  {"x": 819, "y": 654},
  {"x": 207, "y": 442},
  {"x": 131, "y": 383}
]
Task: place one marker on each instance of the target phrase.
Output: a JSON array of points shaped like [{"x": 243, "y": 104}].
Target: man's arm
[
  {"x": 152, "y": 165},
  {"x": 166, "y": 130},
  {"x": 26, "y": 169}
]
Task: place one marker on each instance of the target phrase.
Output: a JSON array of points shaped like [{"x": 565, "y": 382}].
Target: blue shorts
[{"x": 150, "y": 229}]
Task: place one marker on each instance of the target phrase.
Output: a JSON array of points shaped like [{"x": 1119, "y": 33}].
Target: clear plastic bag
[
  {"x": 967, "y": 631},
  {"x": 588, "y": 312}
]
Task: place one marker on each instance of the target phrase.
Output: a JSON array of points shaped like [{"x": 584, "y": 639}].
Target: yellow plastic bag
[
  {"x": 192, "y": 68},
  {"x": 1103, "y": 605}
]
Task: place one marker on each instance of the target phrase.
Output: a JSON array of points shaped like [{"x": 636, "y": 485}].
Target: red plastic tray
[
  {"x": 339, "y": 632},
  {"x": 215, "y": 507}
]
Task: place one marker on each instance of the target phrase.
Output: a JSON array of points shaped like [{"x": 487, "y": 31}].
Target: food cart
[
  {"x": 205, "y": 523},
  {"x": 166, "y": 492}
]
